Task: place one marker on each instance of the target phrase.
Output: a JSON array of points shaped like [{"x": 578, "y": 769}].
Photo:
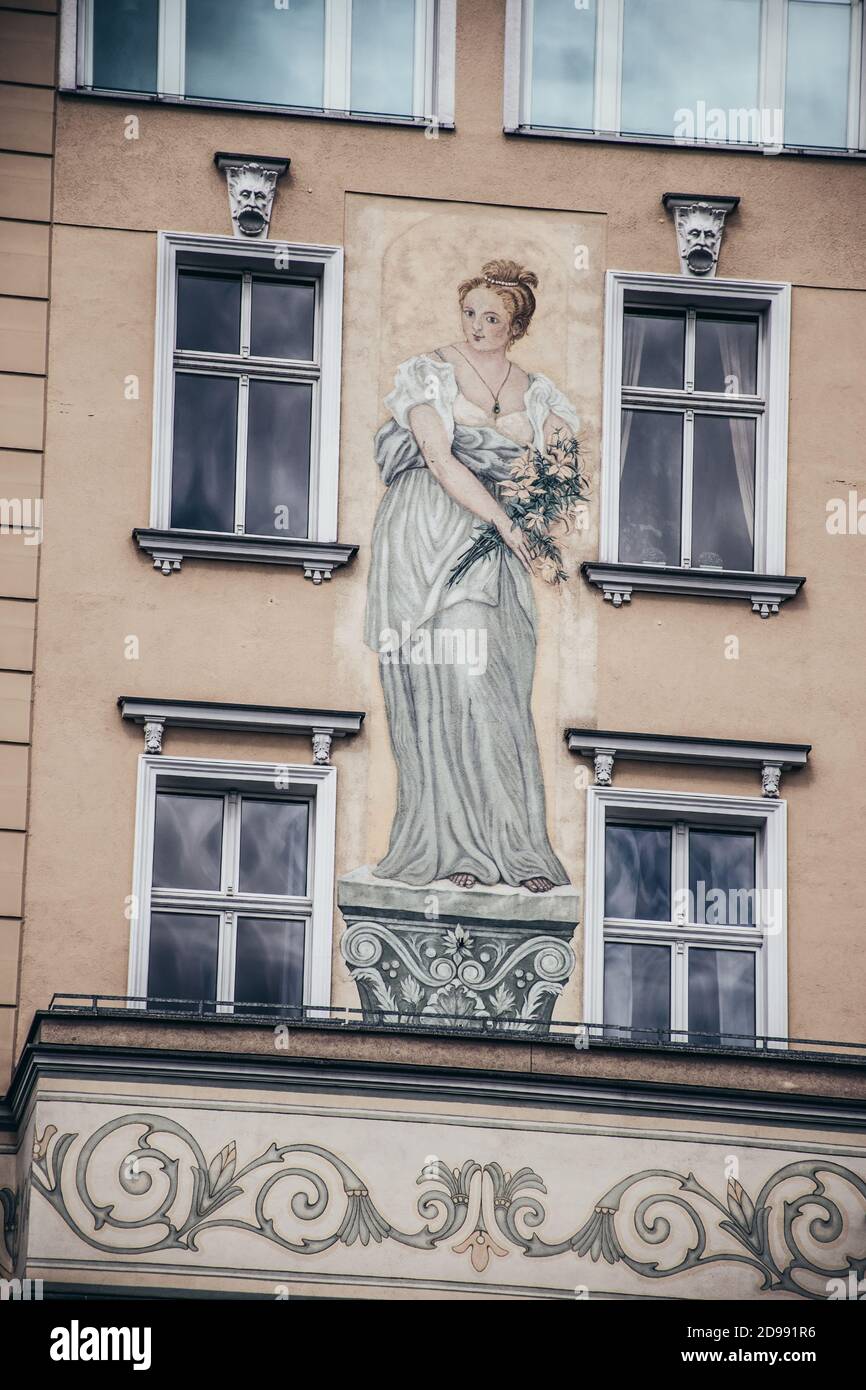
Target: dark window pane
[
  {"x": 722, "y": 877},
  {"x": 637, "y": 991},
  {"x": 682, "y": 58},
  {"x": 723, "y": 493},
  {"x": 816, "y": 78},
  {"x": 721, "y": 997},
  {"x": 183, "y": 956},
  {"x": 653, "y": 350},
  {"x": 278, "y": 458},
  {"x": 274, "y": 847},
  {"x": 726, "y": 355},
  {"x": 563, "y": 64},
  {"x": 205, "y": 450},
  {"x": 637, "y": 872},
  {"x": 125, "y": 44},
  {"x": 269, "y": 966},
  {"x": 283, "y": 319},
  {"x": 650, "y": 496},
  {"x": 383, "y": 53},
  {"x": 208, "y": 312},
  {"x": 187, "y": 841},
  {"x": 256, "y": 51}
]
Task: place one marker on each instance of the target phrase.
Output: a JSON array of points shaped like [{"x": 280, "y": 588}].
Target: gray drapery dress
[{"x": 470, "y": 795}]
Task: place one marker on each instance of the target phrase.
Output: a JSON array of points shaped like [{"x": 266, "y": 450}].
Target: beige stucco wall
[{"x": 251, "y": 634}]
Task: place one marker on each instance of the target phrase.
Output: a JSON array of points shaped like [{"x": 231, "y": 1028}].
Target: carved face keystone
[{"x": 700, "y": 240}]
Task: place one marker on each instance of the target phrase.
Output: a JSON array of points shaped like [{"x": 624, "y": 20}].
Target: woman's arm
[{"x": 459, "y": 482}]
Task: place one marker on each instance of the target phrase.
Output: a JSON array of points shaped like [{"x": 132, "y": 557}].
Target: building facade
[{"x": 430, "y": 584}]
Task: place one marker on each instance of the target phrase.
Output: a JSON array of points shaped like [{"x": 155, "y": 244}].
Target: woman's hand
[{"x": 514, "y": 539}]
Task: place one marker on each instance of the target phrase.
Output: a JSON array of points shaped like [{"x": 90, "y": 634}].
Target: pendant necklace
[{"x": 497, "y": 408}]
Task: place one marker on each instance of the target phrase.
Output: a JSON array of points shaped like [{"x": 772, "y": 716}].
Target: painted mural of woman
[{"x": 470, "y": 803}]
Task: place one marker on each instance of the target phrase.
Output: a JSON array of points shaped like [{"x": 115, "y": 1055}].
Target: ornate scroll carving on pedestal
[{"x": 463, "y": 958}]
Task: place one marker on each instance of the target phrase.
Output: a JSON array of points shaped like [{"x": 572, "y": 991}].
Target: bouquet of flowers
[{"x": 545, "y": 491}]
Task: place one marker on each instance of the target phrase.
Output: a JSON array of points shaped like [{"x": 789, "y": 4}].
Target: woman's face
[{"x": 486, "y": 320}]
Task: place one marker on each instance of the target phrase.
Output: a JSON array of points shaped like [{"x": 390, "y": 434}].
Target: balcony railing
[{"x": 558, "y": 1032}]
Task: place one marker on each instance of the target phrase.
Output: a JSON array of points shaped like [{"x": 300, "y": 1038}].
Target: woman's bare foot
[
  {"x": 537, "y": 885},
  {"x": 463, "y": 880}
]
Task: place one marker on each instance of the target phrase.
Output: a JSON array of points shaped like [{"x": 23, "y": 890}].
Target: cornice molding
[
  {"x": 618, "y": 581},
  {"x": 320, "y": 725},
  {"x": 170, "y": 548},
  {"x": 605, "y": 746},
  {"x": 360, "y": 1077}
]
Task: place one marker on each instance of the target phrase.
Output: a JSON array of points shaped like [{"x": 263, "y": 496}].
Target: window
[
  {"x": 685, "y": 918},
  {"x": 247, "y": 402},
  {"x": 233, "y": 885},
  {"x": 695, "y": 424},
  {"x": 377, "y": 58},
  {"x": 768, "y": 73}
]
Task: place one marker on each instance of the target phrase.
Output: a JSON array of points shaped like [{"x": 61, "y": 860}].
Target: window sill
[
  {"x": 169, "y": 549},
  {"x": 765, "y": 592},
  {"x": 669, "y": 142},
  {"x": 263, "y": 108}
]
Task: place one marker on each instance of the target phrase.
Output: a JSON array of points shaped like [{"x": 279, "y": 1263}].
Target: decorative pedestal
[{"x": 457, "y": 957}]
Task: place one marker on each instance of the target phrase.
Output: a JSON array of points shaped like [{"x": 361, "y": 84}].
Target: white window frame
[
  {"x": 318, "y": 783},
  {"x": 608, "y": 77},
  {"x": 769, "y": 818},
  {"x": 326, "y": 263},
  {"x": 433, "y": 89},
  {"x": 773, "y": 302}
]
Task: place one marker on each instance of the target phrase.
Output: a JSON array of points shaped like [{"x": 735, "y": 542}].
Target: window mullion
[
  {"x": 688, "y": 443},
  {"x": 231, "y": 843},
  {"x": 679, "y": 871},
  {"x": 687, "y": 483},
  {"x": 423, "y": 105},
  {"x": 772, "y": 74},
  {"x": 527, "y": 22},
  {"x": 856, "y": 136},
  {"x": 608, "y": 68},
  {"x": 84, "y": 56},
  {"x": 338, "y": 49},
  {"x": 679, "y": 948},
  {"x": 241, "y": 454},
  {"x": 171, "y": 48},
  {"x": 679, "y": 990},
  {"x": 226, "y": 958}
]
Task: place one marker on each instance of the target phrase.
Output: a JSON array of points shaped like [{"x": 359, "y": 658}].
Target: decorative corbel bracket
[
  {"x": 603, "y": 768},
  {"x": 153, "y": 732},
  {"x": 252, "y": 183},
  {"x": 699, "y": 221}
]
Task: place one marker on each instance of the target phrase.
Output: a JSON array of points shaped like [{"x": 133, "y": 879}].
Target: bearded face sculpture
[
  {"x": 251, "y": 187},
  {"x": 699, "y": 224}
]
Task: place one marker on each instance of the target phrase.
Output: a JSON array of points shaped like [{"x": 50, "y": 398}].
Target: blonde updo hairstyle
[{"x": 514, "y": 284}]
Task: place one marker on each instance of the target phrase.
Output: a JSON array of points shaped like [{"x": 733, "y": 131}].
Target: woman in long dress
[{"x": 470, "y": 803}]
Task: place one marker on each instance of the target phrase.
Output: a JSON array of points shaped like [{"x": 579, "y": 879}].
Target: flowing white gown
[{"x": 470, "y": 795}]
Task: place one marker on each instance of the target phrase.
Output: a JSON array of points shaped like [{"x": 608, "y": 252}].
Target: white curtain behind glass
[
  {"x": 736, "y": 364},
  {"x": 633, "y": 335}
]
